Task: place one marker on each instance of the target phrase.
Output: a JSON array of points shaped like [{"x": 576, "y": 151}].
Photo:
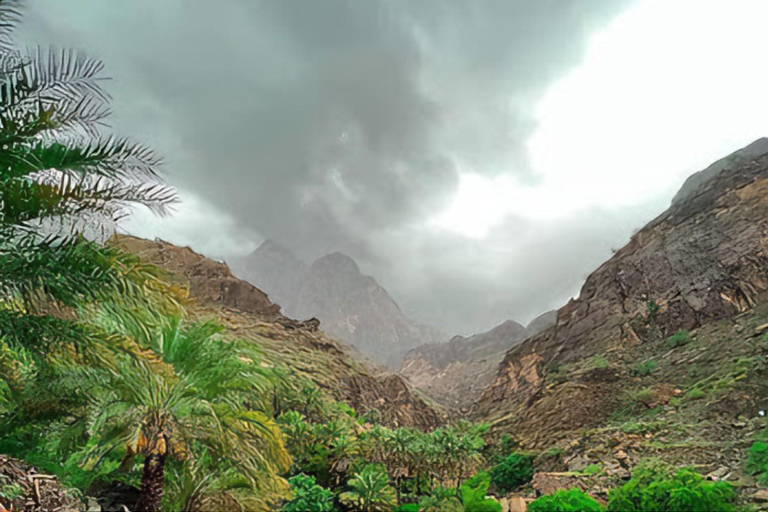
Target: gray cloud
[{"x": 342, "y": 125}]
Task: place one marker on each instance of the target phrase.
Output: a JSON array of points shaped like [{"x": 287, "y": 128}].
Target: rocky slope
[
  {"x": 701, "y": 261},
  {"x": 663, "y": 354},
  {"x": 457, "y": 372},
  {"x": 351, "y": 306},
  {"x": 299, "y": 347}
]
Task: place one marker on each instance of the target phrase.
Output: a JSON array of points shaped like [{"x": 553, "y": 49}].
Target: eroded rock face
[
  {"x": 301, "y": 346},
  {"x": 703, "y": 259},
  {"x": 457, "y": 372},
  {"x": 351, "y": 306}
]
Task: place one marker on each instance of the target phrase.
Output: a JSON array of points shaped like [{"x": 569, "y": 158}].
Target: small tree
[
  {"x": 308, "y": 496},
  {"x": 512, "y": 472},
  {"x": 369, "y": 491}
]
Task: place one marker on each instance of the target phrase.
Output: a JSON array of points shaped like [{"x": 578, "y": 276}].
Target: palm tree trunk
[{"x": 152, "y": 483}]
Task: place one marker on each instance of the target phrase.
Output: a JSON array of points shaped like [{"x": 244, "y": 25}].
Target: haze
[{"x": 478, "y": 159}]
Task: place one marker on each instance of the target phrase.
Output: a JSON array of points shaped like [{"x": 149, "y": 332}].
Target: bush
[
  {"x": 512, "y": 472},
  {"x": 757, "y": 463},
  {"x": 308, "y": 496},
  {"x": 441, "y": 500},
  {"x": 645, "y": 368},
  {"x": 473, "y": 495},
  {"x": 657, "y": 487},
  {"x": 679, "y": 339},
  {"x": 408, "y": 507},
  {"x": 571, "y": 500}
]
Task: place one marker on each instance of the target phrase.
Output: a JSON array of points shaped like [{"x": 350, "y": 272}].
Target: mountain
[
  {"x": 663, "y": 352},
  {"x": 299, "y": 347},
  {"x": 542, "y": 322},
  {"x": 350, "y": 306},
  {"x": 457, "y": 372}
]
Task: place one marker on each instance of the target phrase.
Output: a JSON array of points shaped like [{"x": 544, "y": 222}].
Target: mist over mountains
[{"x": 350, "y": 306}]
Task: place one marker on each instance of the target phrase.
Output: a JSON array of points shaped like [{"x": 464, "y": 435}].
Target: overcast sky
[{"x": 478, "y": 158}]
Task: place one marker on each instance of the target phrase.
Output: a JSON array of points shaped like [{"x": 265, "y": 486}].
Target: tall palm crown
[
  {"x": 60, "y": 173},
  {"x": 193, "y": 395}
]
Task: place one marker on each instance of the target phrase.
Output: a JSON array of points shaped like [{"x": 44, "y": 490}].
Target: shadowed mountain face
[
  {"x": 457, "y": 372},
  {"x": 350, "y": 306},
  {"x": 701, "y": 261}
]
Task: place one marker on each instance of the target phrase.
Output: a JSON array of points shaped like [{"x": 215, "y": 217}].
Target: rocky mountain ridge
[
  {"x": 701, "y": 261},
  {"x": 456, "y": 373},
  {"x": 298, "y": 346},
  {"x": 351, "y": 307}
]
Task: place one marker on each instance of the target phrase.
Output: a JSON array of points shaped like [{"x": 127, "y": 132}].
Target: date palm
[
  {"x": 369, "y": 491},
  {"x": 193, "y": 392},
  {"x": 61, "y": 175}
]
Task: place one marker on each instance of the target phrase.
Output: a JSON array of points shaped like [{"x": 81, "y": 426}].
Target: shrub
[
  {"x": 308, "y": 496},
  {"x": 679, "y": 339},
  {"x": 645, "y": 368},
  {"x": 473, "y": 495},
  {"x": 657, "y": 487},
  {"x": 512, "y": 472},
  {"x": 441, "y": 500},
  {"x": 757, "y": 463},
  {"x": 408, "y": 507},
  {"x": 571, "y": 500},
  {"x": 369, "y": 490}
]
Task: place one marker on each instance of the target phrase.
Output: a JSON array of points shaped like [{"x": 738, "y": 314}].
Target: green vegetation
[
  {"x": 757, "y": 463},
  {"x": 369, "y": 491},
  {"x": 512, "y": 472},
  {"x": 658, "y": 487},
  {"x": 645, "y": 368},
  {"x": 473, "y": 495},
  {"x": 570, "y": 500},
  {"x": 308, "y": 496},
  {"x": 679, "y": 339},
  {"x": 441, "y": 500}
]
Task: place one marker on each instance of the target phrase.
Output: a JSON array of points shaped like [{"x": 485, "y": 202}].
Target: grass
[
  {"x": 598, "y": 361},
  {"x": 645, "y": 368},
  {"x": 679, "y": 339}
]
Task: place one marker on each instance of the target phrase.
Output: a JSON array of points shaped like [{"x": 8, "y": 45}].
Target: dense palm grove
[{"x": 106, "y": 380}]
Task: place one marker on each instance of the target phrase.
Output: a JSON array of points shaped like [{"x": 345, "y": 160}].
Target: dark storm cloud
[{"x": 337, "y": 124}]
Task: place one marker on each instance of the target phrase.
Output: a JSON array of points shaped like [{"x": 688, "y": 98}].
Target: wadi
[{"x": 372, "y": 328}]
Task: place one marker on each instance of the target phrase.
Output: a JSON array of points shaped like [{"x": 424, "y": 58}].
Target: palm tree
[
  {"x": 369, "y": 491},
  {"x": 62, "y": 174},
  {"x": 194, "y": 391}
]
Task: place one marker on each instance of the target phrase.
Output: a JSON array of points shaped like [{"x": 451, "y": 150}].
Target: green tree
[
  {"x": 570, "y": 500},
  {"x": 195, "y": 394},
  {"x": 369, "y": 491},
  {"x": 657, "y": 487},
  {"x": 473, "y": 495},
  {"x": 512, "y": 472}
]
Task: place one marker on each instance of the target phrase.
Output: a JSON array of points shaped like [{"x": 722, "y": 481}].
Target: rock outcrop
[
  {"x": 351, "y": 306},
  {"x": 299, "y": 346},
  {"x": 702, "y": 260},
  {"x": 457, "y": 372}
]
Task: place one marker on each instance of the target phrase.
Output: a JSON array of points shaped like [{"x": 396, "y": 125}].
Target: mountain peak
[{"x": 337, "y": 263}]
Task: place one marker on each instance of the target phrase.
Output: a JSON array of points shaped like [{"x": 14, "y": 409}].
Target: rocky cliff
[
  {"x": 702, "y": 261},
  {"x": 351, "y": 306},
  {"x": 457, "y": 372},
  {"x": 299, "y": 347}
]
